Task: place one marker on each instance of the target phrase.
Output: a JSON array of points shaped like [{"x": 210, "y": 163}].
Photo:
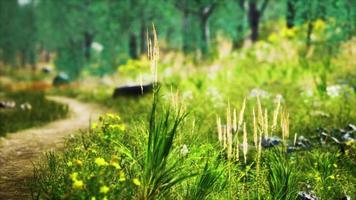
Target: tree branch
[{"x": 263, "y": 7}]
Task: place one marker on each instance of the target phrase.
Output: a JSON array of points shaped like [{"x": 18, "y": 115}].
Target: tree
[
  {"x": 291, "y": 12},
  {"x": 203, "y": 10},
  {"x": 255, "y": 13}
]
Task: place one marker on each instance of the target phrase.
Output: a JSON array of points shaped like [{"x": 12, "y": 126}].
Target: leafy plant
[
  {"x": 206, "y": 181},
  {"x": 282, "y": 177},
  {"x": 159, "y": 173}
]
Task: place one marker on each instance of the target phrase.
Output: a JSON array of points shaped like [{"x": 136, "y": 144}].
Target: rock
[
  {"x": 271, "y": 141},
  {"x": 291, "y": 149},
  {"x": 346, "y": 197},
  {"x": 61, "y": 79},
  {"x": 303, "y": 142},
  {"x": 306, "y": 196},
  {"x": 7, "y": 104},
  {"x": 350, "y": 127},
  {"x": 324, "y": 136},
  {"x": 26, "y": 106},
  {"x": 348, "y": 137},
  {"x": 46, "y": 70},
  {"x": 136, "y": 90}
]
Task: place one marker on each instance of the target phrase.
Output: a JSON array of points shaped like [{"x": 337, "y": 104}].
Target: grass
[
  {"x": 40, "y": 111},
  {"x": 139, "y": 154}
]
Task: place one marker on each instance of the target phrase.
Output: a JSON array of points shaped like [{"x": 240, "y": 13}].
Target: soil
[{"x": 18, "y": 151}]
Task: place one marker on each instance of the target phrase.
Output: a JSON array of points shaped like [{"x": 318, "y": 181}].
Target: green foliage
[
  {"x": 282, "y": 176},
  {"x": 41, "y": 111},
  {"x": 159, "y": 174},
  {"x": 206, "y": 181}
]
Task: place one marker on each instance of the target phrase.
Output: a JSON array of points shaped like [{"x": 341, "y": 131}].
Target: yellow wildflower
[
  {"x": 100, "y": 162},
  {"x": 69, "y": 163},
  {"x": 272, "y": 37},
  {"x": 78, "y": 184},
  {"x": 122, "y": 127},
  {"x": 94, "y": 125},
  {"x": 79, "y": 162},
  {"x": 122, "y": 176},
  {"x": 104, "y": 189},
  {"x": 115, "y": 164},
  {"x": 92, "y": 198},
  {"x": 74, "y": 176},
  {"x": 136, "y": 182},
  {"x": 319, "y": 24},
  {"x": 288, "y": 32}
]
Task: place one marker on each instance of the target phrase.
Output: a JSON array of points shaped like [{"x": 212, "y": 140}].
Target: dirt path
[{"x": 19, "y": 150}]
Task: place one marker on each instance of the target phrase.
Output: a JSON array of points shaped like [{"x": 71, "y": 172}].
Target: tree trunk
[
  {"x": 88, "y": 39},
  {"x": 253, "y": 20},
  {"x": 143, "y": 48},
  {"x": 290, "y": 16},
  {"x": 23, "y": 58},
  {"x": 240, "y": 27},
  {"x": 309, "y": 33},
  {"x": 133, "y": 46},
  {"x": 204, "y": 27},
  {"x": 186, "y": 47}
]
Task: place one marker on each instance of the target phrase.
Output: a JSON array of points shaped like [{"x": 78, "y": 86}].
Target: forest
[{"x": 178, "y": 99}]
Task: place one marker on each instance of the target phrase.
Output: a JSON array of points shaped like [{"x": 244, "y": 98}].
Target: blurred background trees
[{"x": 100, "y": 35}]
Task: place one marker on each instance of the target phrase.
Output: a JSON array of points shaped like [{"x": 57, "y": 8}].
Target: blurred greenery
[
  {"x": 101, "y": 35},
  {"x": 39, "y": 111}
]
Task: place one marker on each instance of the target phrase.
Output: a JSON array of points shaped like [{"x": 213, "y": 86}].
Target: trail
[{"x": 19, "y": 150}]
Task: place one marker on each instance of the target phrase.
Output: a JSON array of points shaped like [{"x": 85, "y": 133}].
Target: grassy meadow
[
  {"x": 199, "y": 99},
  {"x": 31, "y": 109},
  {"x": 203, "y": 134}
]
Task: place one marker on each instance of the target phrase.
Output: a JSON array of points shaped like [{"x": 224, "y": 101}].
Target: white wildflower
[
  {"x": 258, "y": 92},
  {"x": 96, "y": 46},
  {"x": 23, "y": 2},
  {"x": 334, "y": 90},
  {"x": 184, "y": 150},
  {"x": 187, "y": 95},
  {"x": 278, "y": 98}
]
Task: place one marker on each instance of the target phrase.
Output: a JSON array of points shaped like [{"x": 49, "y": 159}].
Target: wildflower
[
  {"x": 122, "y": 176},
  {"x": 136, "y": 182},
  {"x": 69, "y": 163},
  {"x": 279, "y": 98},
  {"x": 188, "y": 95},
  {"x": 272, "y": 37},
  {"x": 104, "y": 189},
  {"x": 79, "y": 162},
  {"x": 78, "y": 184},
  {"x": 335, "y": 165},
  {"x": 120, "y": 127},
  {"x": 92, "y": 198},
  {"x": 74, "y": 176},
  {"x": 93, "y": 150},
  {"x": 94, "y": 125},
  {"x": 319, "y": 24},
  {"x": 332, "y": 177},
  {"x": 258, "y": 92},
  {"x": 115, "y": 165},
  {"x": 96, "y": 46},
  {"x": 100, "y": 162},
  {"x": 333, "y": 90},
  {"x": 184, "y": 150},
  {"x": 288, "y": 32}
]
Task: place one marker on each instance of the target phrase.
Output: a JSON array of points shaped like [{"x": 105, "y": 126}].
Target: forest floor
[{"x": 18, "y": 151}]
